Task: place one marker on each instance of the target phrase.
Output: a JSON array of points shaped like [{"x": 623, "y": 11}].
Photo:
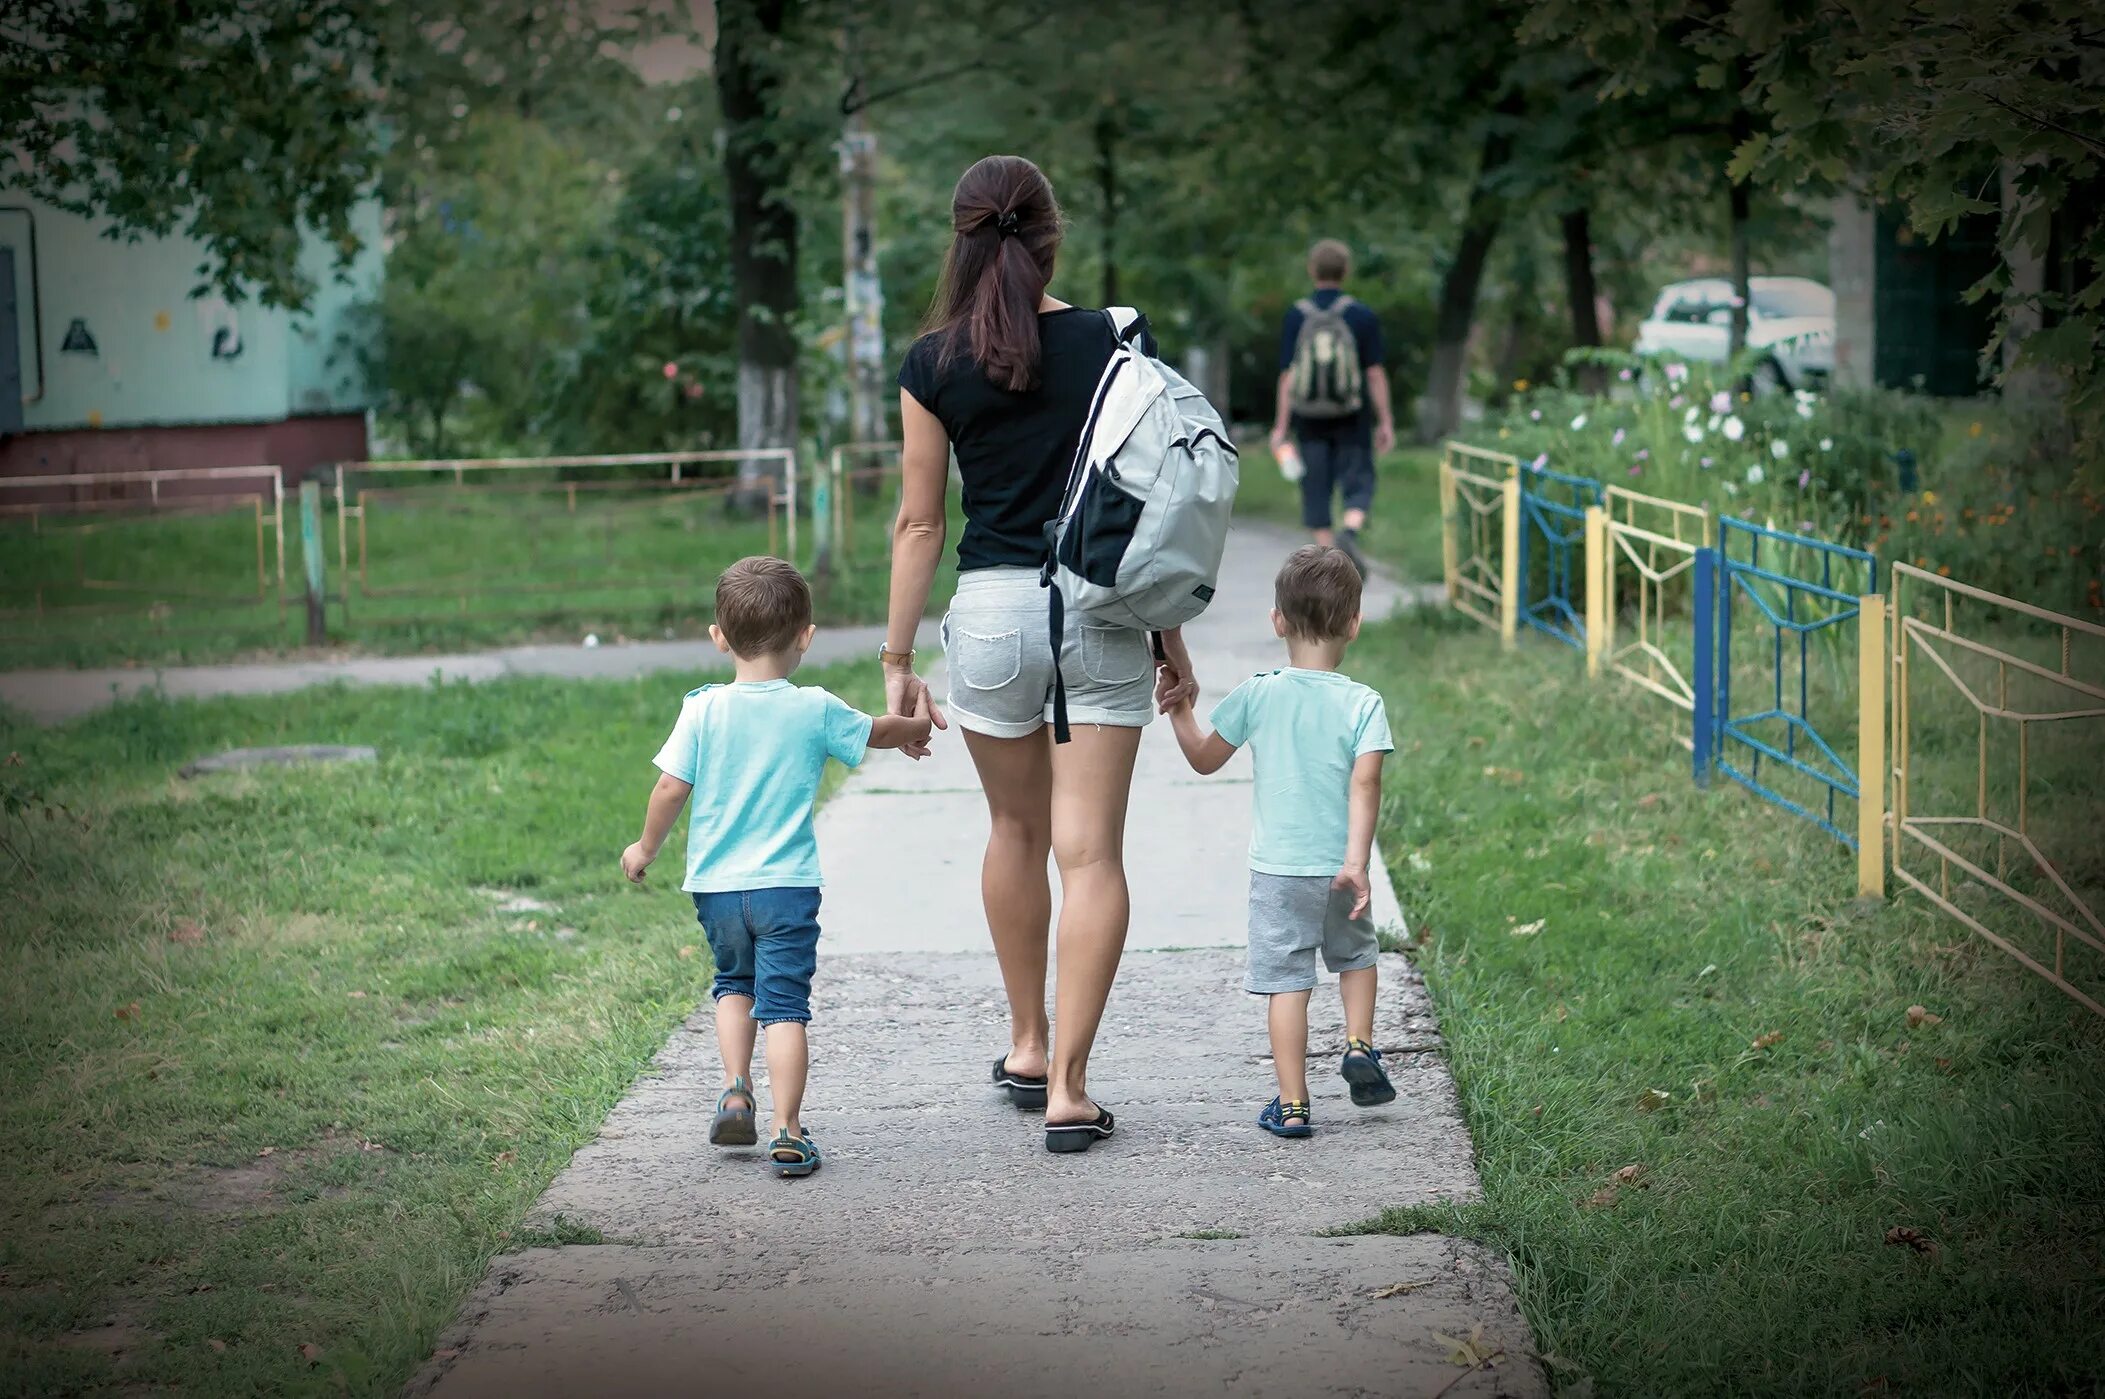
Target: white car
[{"x": 1793, "y": 318}]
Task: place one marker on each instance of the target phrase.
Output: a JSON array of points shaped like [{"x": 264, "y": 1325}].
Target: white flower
[
  {"x": 1730, "y": 489},
  {"x": 1578, "y": 422},
  {"x": 1734, "y": 428},
  {"x": 1692, "y": 414},
  {"x": 1804, "y": 397},
  {"x": 1779, "y": 449},
  {"x": 1805, "y": 409},
  {"x": 1534, "y": 415},
  {"x": 1692, "y": 432},
  {"x": 1676, "y": 372},
  {"x": 1827, "y": 444},
  {"x": 1721, "y": 402},
  {"x": 1755, "y": 474}
]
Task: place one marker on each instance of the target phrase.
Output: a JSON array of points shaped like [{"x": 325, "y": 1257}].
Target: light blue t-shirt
[
  {"x": 754, "y": 754},
  {"x": 1304, "y": 729}
]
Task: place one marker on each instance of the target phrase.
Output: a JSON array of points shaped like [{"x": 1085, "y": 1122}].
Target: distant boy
[
  {"x": 1317, "y": 740},
  {"x": 751, "y": 753},
  {"x": 1334, "y": 397}
]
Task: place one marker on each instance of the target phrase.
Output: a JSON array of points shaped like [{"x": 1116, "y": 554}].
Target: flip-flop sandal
[
  {"x": 792, "y": 1156},
  {"x": 733, "y": 1126},
  {"x": 1362, "y": 1069},
  {"x": 1288, "y": 1119},
  {"x": 1078, "y": 1136},
  {"x": 1024, "y": 1091}
]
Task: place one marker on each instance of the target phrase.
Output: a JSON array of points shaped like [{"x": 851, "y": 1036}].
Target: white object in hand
[
  {"x": 1290, "y": 461},
  {"x": 591, "y": 639}
]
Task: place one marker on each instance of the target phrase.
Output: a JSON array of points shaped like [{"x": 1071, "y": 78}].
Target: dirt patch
[
  {"x": 256, "y": 1186},
  {"x": 121, "y": 1335}
]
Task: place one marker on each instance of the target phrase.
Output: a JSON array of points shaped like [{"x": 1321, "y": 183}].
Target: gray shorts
[
  {"x": 1291, "y": 916},
  {"x": 996, "y": 639}
]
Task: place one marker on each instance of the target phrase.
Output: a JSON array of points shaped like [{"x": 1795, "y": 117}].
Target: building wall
[
  {"x": 154, "y": 364},
  {"x": 1852, "y": 268}
]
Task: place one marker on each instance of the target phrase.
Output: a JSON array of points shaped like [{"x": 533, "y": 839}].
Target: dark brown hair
[
  {"x": 1007, "y": 229},
  {"x": 1317, "y": 592},
  {"x": 762, "y": 605},
  {"x": 1329, "y": 261}
]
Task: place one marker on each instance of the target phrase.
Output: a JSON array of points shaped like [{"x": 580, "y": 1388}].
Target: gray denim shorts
[
  {"x": 1293, "y": 915},
  {"x": 996, "y": 639}
]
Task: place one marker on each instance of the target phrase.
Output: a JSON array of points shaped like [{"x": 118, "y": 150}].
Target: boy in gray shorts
[{"x": 1317, "y": 740}]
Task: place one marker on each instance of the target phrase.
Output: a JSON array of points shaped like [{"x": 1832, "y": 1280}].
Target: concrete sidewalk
[
  {"x": 942, "y": 1251},
  {"x": 54, "y": 696}
]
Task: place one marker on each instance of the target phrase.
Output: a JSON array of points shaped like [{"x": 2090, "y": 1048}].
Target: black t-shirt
[{"x": 1014, "y": 449}]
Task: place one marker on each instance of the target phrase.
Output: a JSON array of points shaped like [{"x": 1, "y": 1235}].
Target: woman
[{"x": 1004, "y": 375}]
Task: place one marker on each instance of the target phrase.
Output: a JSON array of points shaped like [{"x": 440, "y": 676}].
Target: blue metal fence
[
  {"x": 1798, "y": 588},
  {"x": 1553, "y": 534}
]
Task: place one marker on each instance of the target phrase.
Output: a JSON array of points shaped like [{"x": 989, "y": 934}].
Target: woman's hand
[
  {"x": 904, "y": 691},
  {"x": 1175, "y": 684}
]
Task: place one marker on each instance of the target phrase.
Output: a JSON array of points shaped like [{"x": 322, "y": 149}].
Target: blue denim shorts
[{"x": 766, "y": 946}]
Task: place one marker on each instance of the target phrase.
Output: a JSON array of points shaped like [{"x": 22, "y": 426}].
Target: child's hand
[
  {"x": 634, "y": 862},
  {"x": 1354, "y": 877}
]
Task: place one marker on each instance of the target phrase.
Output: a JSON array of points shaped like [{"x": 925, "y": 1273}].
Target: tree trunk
[
  {"x": 1107, "y": 189},
  {"x": 1441, "y": 410},
  {"x": 763, "y": 239},
  {"x": 1742, "y": 208},
  {"x": 1581, "y": 293}
]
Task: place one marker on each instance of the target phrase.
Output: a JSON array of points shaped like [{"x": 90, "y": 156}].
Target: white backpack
[{"x": 1138, "y": 539}]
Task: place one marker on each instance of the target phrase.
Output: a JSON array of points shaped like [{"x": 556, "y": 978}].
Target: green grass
[
  {"x": 1403, "y": 529},
  {"x": 1707, "y": 946},
  {"x": 277, "y": 1065},
  {"x": 430, "y": 569}
]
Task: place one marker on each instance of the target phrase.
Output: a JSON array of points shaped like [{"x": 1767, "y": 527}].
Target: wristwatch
[{"x": 886, "y": 653}]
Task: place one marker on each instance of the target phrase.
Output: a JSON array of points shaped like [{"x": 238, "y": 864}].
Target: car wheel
[{"x": 1769, "y": 377}]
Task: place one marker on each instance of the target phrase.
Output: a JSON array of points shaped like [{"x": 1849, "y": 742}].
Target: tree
[{"x": 235, "y": 124}]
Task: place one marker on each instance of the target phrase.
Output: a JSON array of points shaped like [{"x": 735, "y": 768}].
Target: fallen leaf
[
  {"x": 310, "y": 1352},
  {"x": 1535, "y": 1111},
  {"x": 1904, "y": 1236},
  {"x": 1528, "y": 930},
  {"x": 215, "y": 1343},
  {"x": 1561, "y": 1013},
  {"x": 1653, "y": 1099},
  {"x": 130, "y": 1012},
  {"x": 1398, "y": 1289},
  {"x": 187, "y": 931},
  {"x": 445, "y": 1353},
  {"x": 1627, "y": 1175},
  {"x": 505, "y": 1158},
  {"x": 358, "y": 995},
  {"x": 686, "y": 952},
  {"x": 1604, "y": 1197},
  {"x": 1768, "y": 1041},
  {"x": 1920, "y": 1015},
  {"x": 1945, "y": 1064},
  {"x": 266, "y": 1151},
  {"x": 1649, "y": 800},
  {"x": 1475, "y": 741},
  {"x": 1471, "y": 1350}
]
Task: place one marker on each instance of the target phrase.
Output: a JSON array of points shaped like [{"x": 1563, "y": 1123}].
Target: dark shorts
[
  {"x": 766, "y": 946},
  {"x": 1340, "y": 466}
]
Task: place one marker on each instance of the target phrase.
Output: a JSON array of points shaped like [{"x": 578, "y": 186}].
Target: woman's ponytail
[{"x": 1007, "y": 231}]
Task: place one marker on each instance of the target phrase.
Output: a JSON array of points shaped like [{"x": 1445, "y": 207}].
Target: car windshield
[{"x": 1794, "y": 299}]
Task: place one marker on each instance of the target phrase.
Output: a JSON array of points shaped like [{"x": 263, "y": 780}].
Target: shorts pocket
[
  {"x": 984, "y": 662},
  {"x": 1113, "y": 655}
]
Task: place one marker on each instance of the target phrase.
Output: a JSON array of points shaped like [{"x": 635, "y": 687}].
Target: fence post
[
  {"x": 311, "y": 554},
  {"x": 1871, "y": 747},
  {"x": 822, "y": 541},
  {"x": 1704, "y": 668},
  {"x": 1450, "y": 547},
  {"x": 1509, "y": 566},
  {"x": 1596, "y": 588}
]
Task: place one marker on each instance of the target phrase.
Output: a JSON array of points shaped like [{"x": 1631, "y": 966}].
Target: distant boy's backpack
[
  {"x": 1327, "y": 380},
  {"x": 1144, "y": 518}
]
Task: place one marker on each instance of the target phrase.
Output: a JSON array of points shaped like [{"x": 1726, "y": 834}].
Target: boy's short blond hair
[
  {"x": 1317, "y": 592},
  {"x": 1329, "y": 261},
  {"x": 762, "y": 606}
]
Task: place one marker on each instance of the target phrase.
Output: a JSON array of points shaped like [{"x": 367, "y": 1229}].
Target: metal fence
[
  {"x": 154, "y": 547},
  {"x": 2006, "y": 842},
  {"x": 848, "y": 478},
  {"x": 1645, "y": 552},
  {"x": 1553, "y": 510},
  {"x": 1479, "y": 524},
  {"x": 563, "y": 530}
]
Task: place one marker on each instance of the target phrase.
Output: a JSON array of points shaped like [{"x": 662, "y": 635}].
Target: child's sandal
[
  {"x": 792, "y": 1156},
  {"x": 1287, "y": 1119},
  {"x": 1362, "y": 1069},
  {"x": 733, "y": 1126}
]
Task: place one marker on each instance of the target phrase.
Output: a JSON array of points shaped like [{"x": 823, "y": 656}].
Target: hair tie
[{"x": 1005, "y": 226}]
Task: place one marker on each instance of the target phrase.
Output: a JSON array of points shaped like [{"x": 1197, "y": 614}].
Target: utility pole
[{"x": 867, "y": 419}]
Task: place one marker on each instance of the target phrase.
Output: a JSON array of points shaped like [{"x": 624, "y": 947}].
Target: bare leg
[
  {"x": 1324, "y": 537},
  {"x": 1016, "y": 774},
  {"x": 788, "y": 1056},
  {"x": 734, "y": 1037},
  {"x": 1092, "y": 778},
  {"x": 1355, "y": 520},
  {"x": 1356, "y": 989},
  {"x": 1286, "y": 1016}
]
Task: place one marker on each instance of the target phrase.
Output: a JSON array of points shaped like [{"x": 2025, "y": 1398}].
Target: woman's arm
[{"x": 917, "y": 545}]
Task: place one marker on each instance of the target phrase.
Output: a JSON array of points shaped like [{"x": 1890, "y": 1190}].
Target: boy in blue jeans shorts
[
  {"x": 1317, "y": 739},
  {"x": 752, "y": 753}
]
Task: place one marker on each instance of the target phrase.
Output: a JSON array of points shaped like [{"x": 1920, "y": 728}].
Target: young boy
[
  {"x": 752, "y": 753},
  {"x": 1317, "y": 739}
]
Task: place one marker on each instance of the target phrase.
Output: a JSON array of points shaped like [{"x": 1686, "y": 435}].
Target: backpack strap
[{"x": 1127, "y": 324}]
